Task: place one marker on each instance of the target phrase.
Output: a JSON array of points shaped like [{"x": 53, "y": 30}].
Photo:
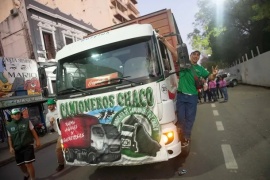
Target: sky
[{"x": 183, "y": 10}]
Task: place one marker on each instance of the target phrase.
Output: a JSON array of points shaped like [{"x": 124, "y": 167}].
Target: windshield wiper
[
  {"x": 76, "y": 89},
  {"x": 121, "y": 79}
]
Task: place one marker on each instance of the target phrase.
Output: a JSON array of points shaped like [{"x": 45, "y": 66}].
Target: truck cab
[{"x": 119, "y": 74}]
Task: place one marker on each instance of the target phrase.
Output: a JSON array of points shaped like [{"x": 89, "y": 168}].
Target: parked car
[{"x": 231, "y": 79}]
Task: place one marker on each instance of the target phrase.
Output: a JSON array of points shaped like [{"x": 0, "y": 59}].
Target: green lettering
[
  {"x": 149, "y": 96},
  {"x": 63, "y": 111},
  {"x": 120, "y": 99},
  {"x": 128, "y": 98},
  {"x": 111, "y": 101},
  {"x": 72, "y": 107},
  {"x": 81, "y": 107},
  {"x": 105, "y": 101},
  {"x": 99, "y": 104},
  {"x": 93, "y": 104},
  {"x": 142, "y": 98},
  {"x": 87, "y": 105},
  {"x": 136, "y": 99}
]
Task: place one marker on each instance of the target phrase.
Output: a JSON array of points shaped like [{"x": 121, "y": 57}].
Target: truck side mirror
[{"x": 183, "y": 58}]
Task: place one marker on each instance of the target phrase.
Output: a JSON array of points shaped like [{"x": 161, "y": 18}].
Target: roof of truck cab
[{"x": 108, "y": 37}]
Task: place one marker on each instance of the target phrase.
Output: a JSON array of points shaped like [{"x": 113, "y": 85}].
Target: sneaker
[
  {"x": 60, "y": 167},
  {"x": 26, "y": 177},
  {"x": 185, "y": 143}
]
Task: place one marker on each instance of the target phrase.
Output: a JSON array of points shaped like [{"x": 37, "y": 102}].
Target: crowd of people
[{"x": 213, "y": 90}]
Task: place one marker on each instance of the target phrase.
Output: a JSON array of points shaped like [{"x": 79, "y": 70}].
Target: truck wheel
[
  {"x": 235, "y": 82},
  {"x": 185, "y": 151},
  {"x": 69, "y": 155},
  {"x": 91, "y": 158}
]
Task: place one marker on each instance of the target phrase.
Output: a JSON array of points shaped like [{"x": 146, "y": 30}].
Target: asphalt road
[{"x": 229, "y": 141}]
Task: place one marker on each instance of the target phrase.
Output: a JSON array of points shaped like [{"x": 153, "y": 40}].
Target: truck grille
[{"x": 114, "y": 148}]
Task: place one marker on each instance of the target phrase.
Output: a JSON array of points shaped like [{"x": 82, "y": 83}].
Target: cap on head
[
  {"x": 196, "y": 51},
  {"x": 15, "y": 111},
  {"x": 51, "y": 101}
]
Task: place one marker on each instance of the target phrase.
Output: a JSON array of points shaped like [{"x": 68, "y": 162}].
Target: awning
[{"x": 21, "y": 100}]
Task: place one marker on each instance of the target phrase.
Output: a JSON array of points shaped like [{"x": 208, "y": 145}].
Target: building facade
[
  {"x": 99, "y": 13},
  {"x": 30, "y": 36}
]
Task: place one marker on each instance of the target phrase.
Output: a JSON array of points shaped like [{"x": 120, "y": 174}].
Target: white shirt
[{"x": 52, "y": 114}]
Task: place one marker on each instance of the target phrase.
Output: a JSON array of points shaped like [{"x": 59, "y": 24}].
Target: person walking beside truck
[
  {"x": 51, "y": 121},
  {"x": 21, "y": 135},
  {"x": 187, "y": 94}
]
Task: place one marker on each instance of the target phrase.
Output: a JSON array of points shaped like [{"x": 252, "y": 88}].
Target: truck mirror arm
[{"x": 167, "y": 73}]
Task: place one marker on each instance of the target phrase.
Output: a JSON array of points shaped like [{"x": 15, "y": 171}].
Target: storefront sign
[{"x": 15, "y": 102}]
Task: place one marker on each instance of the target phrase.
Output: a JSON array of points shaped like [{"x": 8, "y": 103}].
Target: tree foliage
[{"x": 230, "y": 30}]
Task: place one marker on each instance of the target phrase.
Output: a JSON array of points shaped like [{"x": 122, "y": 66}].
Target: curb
[{"x": 12, "y": 158}]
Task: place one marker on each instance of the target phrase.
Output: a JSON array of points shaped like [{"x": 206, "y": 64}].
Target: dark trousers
[
  {"x": 213, "y": 94},
  {"x": 186, "y": 112},
  {"x": 206, "y": 93},
  {"x": 219, "y": 91}
]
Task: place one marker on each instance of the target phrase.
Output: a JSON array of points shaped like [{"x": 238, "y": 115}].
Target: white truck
[{"x": 126, "y": 78}]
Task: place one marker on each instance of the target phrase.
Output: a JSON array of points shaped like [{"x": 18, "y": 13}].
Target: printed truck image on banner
[
  {"x": 116, "y": 128},
  {"x": 18, "y": 77}
]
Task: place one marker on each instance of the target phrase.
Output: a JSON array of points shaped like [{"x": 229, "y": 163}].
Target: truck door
[{"x": 171, "y": 81}]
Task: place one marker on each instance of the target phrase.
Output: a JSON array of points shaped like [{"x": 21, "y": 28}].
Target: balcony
[
  {"x": 132, "y": 8},
  {"x": 118, "y": 4},
  {"x": 131, "y": 15},
  {"x": 134, "y": 1},
  {"x": 119, "y": 15}
]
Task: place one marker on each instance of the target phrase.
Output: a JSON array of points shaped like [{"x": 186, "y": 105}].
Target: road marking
[
  {"x": 230, "y": 161},
  {"x": 213, "y": 105},
  {"x": 215, "y": 112},
  {"x": 220, "y": 126}
]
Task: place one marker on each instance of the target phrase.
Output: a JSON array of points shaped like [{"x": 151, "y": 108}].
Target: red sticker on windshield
[{"x": 99, "y": 81}]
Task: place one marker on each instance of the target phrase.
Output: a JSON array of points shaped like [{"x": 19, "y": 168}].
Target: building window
[
  {"x": 49, "y": 45},
  {"x": 68, "y": 40},
  {"x": 48, "y": 42}
]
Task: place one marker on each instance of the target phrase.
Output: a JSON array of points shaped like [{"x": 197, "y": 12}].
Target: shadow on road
[{"x": 162, "y": 170}]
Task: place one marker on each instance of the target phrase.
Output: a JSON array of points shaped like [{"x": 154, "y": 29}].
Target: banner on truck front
[{"x": 115, "y": 128}]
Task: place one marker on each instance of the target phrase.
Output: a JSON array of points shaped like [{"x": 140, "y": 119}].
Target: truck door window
[
  {"x": 165, "y": 56},
  {"x": 98, "y": 131}
]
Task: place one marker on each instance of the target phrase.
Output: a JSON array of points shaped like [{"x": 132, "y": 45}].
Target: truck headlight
[{"x": 168, "y": 137}]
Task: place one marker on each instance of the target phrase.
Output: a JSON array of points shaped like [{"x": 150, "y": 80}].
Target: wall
[
  {"x": 95, "y": 12},
  {"x": 255, "y": 71},
  {"x": 5, "y": 7}
]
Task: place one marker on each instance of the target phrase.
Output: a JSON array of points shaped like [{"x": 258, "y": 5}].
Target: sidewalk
[{"x": 6, "y": 157}]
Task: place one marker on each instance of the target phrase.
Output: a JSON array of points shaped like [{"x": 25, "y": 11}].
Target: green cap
[
  {"x": 15, "y": 111},
  {"x": 51, "y": 101}
]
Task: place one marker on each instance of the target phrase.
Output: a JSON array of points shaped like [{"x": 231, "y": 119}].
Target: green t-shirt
[{"x": 186, "y": 82}]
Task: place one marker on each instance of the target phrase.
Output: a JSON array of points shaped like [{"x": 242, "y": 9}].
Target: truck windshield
[{"x": 134, "y": 59}]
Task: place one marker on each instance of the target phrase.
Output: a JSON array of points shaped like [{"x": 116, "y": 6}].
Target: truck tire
[
  {"x": 185, "y": 151},
  {"x": 69, "y": 155},
  {"x": 91, "y": 158},
  {"x": 235, "y": 82}
]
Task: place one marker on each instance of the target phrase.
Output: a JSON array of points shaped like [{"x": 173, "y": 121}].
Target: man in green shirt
[
  {"x": 187, "y": 95},
  {"x": 21, "y": 135}
]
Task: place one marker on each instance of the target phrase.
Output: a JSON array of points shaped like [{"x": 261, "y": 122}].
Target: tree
[{"x": 229, "y": 34}]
